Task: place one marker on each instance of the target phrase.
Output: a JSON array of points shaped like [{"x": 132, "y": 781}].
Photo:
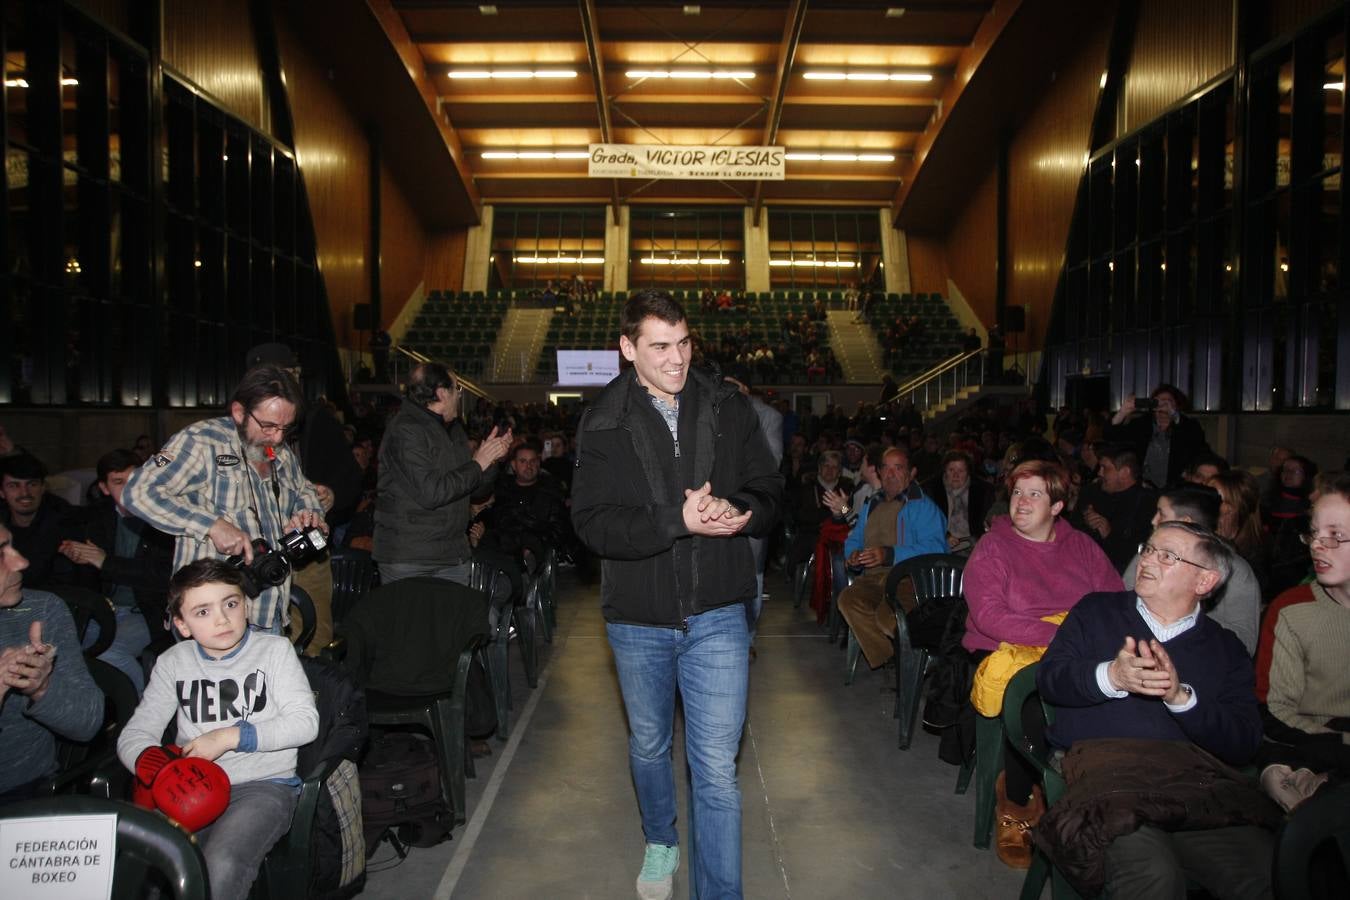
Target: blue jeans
[
  {"x": 131, "y": 638},
  {"x": 234, "y": 845},
  {"x": 709, "y": 665}
]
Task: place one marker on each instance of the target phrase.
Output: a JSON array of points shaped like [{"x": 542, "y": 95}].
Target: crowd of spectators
[{"x": 1102, "y": 508}]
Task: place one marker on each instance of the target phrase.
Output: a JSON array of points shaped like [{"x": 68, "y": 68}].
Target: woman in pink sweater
[{"x": 1030, "y": 564}]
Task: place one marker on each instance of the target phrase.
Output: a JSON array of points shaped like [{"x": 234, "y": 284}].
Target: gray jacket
[{"x": 427, "y": 475}]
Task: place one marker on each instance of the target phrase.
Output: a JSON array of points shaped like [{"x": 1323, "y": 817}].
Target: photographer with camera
[
  {"x": 229, "y": 487},
  {"x": 1157, "y": 430}
]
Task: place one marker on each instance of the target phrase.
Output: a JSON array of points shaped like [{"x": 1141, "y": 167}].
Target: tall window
[
  {"x": 823, "y": 249},
  {"x": 84, "y": 225},
  {"x": 1207, "y": 251},
  {"x": 686, "y": 247},
  {"x": 532, "y": 247}
]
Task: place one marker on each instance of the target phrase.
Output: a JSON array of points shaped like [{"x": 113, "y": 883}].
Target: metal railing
[
  {"x": 406, "y": 357},
  {"x": 945, "y": 380}
]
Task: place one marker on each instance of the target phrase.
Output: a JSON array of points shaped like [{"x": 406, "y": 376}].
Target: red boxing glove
[
  {"x": 148, "y": 766},
  {"x": 193, "y": 792}
]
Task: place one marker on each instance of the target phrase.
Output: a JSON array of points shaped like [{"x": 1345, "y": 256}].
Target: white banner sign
[
  {"x": 587, "y": 366},
  {"x": 682, "y": 162},
  {"x": 67, "y": 857}
]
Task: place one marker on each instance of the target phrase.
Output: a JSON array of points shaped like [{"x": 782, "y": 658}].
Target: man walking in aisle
[{"x": 673, "y": 475}]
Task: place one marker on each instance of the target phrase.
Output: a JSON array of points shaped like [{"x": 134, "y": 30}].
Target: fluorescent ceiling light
[
  {"x": 684, "y": 261},
  {"x": 551, "y": 260},
  {"x": 840, "y": 157},
  {"x": 467, "y": 74},
  {"x": 1334, "y": 86},
  {"x": 535, "y": 154},
  {"x": 689, "y": 74},
  {"x": 867, "y": 76},
  {"x": 814, "y": 263},
  {"x": 21, "y": 82}
]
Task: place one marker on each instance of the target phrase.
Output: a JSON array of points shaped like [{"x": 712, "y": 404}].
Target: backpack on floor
[{"x": 401, "y": 792}]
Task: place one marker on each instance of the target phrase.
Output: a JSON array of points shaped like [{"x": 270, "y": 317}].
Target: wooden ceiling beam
[
  {"x": 787, "y": 52},
  {"x": 993, "y": 24},
  {"x": 391, "y": 23},
  {"x": 593, "y": 55}
]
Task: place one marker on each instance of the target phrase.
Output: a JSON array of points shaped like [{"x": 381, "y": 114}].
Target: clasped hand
[
  {"x": 28, "y": 669},
  {"x": 711, "y": 516},
  {"x": 1143, "y": 667}
]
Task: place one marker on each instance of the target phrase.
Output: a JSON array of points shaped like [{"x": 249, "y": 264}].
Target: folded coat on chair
[{"x": 1118, "y": 785}]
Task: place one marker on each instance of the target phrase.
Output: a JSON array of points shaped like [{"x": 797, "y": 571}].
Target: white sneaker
[{"x": 656, "y": 881}]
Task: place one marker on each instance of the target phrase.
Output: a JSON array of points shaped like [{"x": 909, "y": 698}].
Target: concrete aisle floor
[{"x": 831, "y": 809}]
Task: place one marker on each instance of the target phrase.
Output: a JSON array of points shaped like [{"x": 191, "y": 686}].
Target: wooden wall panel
[
  {"x": 1045, "y": 163},
  {"x": 110, "y": 12},
  {"x": 212, "y": 44},
  {"x": 445, "y": 260},
  {"x": 927, "y": 265},
  {"x": 403, "y": 248},
  {"x": 971, "y": 249},
  {"x": 334, "y": 159},
  {"x": 1177, "y": 48},
  {"x": 1287, "y": 15}
]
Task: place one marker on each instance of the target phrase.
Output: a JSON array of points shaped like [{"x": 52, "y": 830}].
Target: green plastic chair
[
  {"x": 149, "y": 846},
  {"x": 1019, "y": 689},
  {"x": 936, "y": 577}
]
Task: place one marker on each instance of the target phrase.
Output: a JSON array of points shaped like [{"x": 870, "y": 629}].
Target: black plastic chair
[
  {"x": 1312, "y": 854},
  {"x": 302, "y": 605},
  {"x": 937, "y": 577},
  {"x": 91, "y": 767},
  {"x": 354, "y": 576},
  {"x": 494, "y": 581},
  {"x": 150, "y": 848},
  {"x": 451, "y": 621},
  {"x": 90, "y": 606}
]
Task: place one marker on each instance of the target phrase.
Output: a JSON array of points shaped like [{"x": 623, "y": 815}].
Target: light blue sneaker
[{"x": 656, "y": 881}]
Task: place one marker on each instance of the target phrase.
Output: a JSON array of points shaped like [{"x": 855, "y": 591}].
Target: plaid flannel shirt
[{"x": 202, "y": 475}]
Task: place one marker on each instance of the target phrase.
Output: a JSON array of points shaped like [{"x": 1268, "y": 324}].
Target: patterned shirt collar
[{"x": 1165, "y": 633}]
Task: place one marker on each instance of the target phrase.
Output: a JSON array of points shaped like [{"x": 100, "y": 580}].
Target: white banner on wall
[{"x": 686, "y": 162}]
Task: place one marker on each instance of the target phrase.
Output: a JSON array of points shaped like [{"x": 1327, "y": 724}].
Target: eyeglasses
[
  {"x": 1328, "y": 541},
  {"x": 1167, "y": 557},
  {"x": 272, "y": 427}
]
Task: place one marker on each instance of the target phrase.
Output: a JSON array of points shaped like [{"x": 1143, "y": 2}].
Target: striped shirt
[{"x": 203, "y": 474}]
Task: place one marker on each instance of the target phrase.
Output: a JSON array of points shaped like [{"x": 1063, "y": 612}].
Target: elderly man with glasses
[
  {"x": 223, "y": 483},
  {"x": 1151, "y": 699}
]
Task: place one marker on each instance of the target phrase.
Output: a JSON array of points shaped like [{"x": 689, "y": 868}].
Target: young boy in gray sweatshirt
[{"x": 241, "y": 699}]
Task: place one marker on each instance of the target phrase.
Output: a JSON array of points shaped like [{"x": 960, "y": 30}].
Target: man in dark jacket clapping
[
  {"x": 426, "y": 477},
  {"x": 673, "y": 475}
]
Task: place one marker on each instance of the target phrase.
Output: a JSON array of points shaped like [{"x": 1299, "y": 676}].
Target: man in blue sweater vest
[{"x": 1150, "y": 664}]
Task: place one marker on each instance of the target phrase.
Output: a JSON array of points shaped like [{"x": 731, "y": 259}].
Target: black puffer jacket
[
  {"x": 628, "y": 494},
  {"x": 426, "y": 477}
]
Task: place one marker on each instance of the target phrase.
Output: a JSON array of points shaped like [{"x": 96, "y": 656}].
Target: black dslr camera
[{"x": 270, "y": 567}]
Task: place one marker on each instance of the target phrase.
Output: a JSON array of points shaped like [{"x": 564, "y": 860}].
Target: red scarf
[{"x": 832, "y": 537}]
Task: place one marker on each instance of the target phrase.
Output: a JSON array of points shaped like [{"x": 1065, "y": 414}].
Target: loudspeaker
[
  {"x": 1087, "y": 392},
  {"x": 1014, "y": 319},
  {"x": 361, "y": 317}
]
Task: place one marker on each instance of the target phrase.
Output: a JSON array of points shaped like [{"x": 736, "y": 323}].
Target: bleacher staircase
[
  {"x": 517, "y": 345},
  {"x": 855, "y": 346}
]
